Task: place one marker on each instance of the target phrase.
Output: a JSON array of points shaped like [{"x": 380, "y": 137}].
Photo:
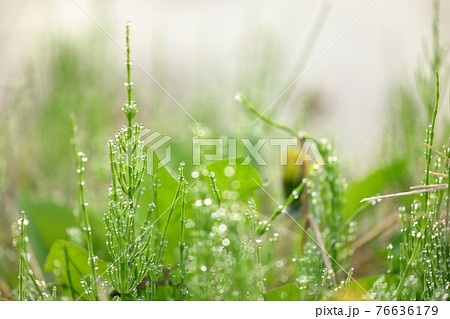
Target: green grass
[{"x": 215, "y": 231}]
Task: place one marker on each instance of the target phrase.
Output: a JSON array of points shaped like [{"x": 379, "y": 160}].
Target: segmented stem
[
  {"x": 282, "y": 208},
  {"x": 182, "y": 243},
  {"x": 81, "y": 159},
  {"x": 423, "y": 228},
  {"x": 22, "y": 252}
]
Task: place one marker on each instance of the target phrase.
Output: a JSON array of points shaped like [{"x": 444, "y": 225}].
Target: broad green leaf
[
  {"x": 163, "y": 196},
  {"x": 69, "y": 263},
  {"x": 287, "y": 292},
  {"x": 373, "y": 184},
  {"x": 164, "y": 193},
  {"x": 50, "y": 221},
  {"x": 239, "y": 178}
]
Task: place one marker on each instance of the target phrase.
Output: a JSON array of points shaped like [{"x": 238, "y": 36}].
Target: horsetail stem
[
  {"x": 25, "y": 269},
  {"x": 214, "y": 187},
  {"x": 430, "y": 139},
  {"x": 182, "y": 242},
  {"x": 81, "y": 159},
  {"x": 129, "y": 107},
  {"x": 282, "y": 208},
  {"x": 242, "y": 99},
  {"x": 128, "y": 162},
  {"x": 300, "y": 135},
  {"x": 22, "y": 254},
  {"x": 423, "y": 224}
]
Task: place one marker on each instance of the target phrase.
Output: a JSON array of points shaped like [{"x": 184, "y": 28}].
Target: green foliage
[
  {"x": 219, "y": 234},
  {"x": 69, "y": 263},
  {"x": 233, "y": 175},
  {"x": 423, "y": 254},
  {"x": 30, "y": 287},
  {"x": 52, "y": 221},
  {"x": 386, "y": 176},
  {"x": 287, "y": 292}
]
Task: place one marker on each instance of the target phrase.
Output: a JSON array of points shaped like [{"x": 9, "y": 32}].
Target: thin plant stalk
[
  {"x": 21, "y": 248},
  {"x": 430, "y": 139},
  {"x": 160, "y": 252},
  {"x": 81, "y": 159},
  {"x": 128, "y": 84},
  {"x": 241, "y": 98},
  {"x": 182, "y": 243},
  {"x": 361, "y": 209},
  {"x": 215, "y": 189},
  {"x": 169, "y": 217},
  {"x": 256, "y": 243},
  {"x": 25, "y": 268},
  {"x": 282, "y": 208}
]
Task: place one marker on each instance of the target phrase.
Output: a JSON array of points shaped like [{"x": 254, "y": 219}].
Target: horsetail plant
[
  {"x": 214, "y": 187},
  {"x": 128, "y": 162},
  {"x": 22, "y": 254},
  {"x": 30, "y": 287},
  {"x": 424, "y": 223},
  {"x": 81, "y": 159},
  {"x": 90, "y": 282},
  {"x": 424, "y": 254},
  {"x": 220, "y": 249},
  {"x": 264, "y": 226},
  {"x": 325, "y": 198},
  {"x": 253, "y": 222},
  {"x": 183, "y": 246}
]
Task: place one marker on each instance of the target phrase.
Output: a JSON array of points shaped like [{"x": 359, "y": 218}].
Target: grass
[{"x": 215, "y": 231}]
